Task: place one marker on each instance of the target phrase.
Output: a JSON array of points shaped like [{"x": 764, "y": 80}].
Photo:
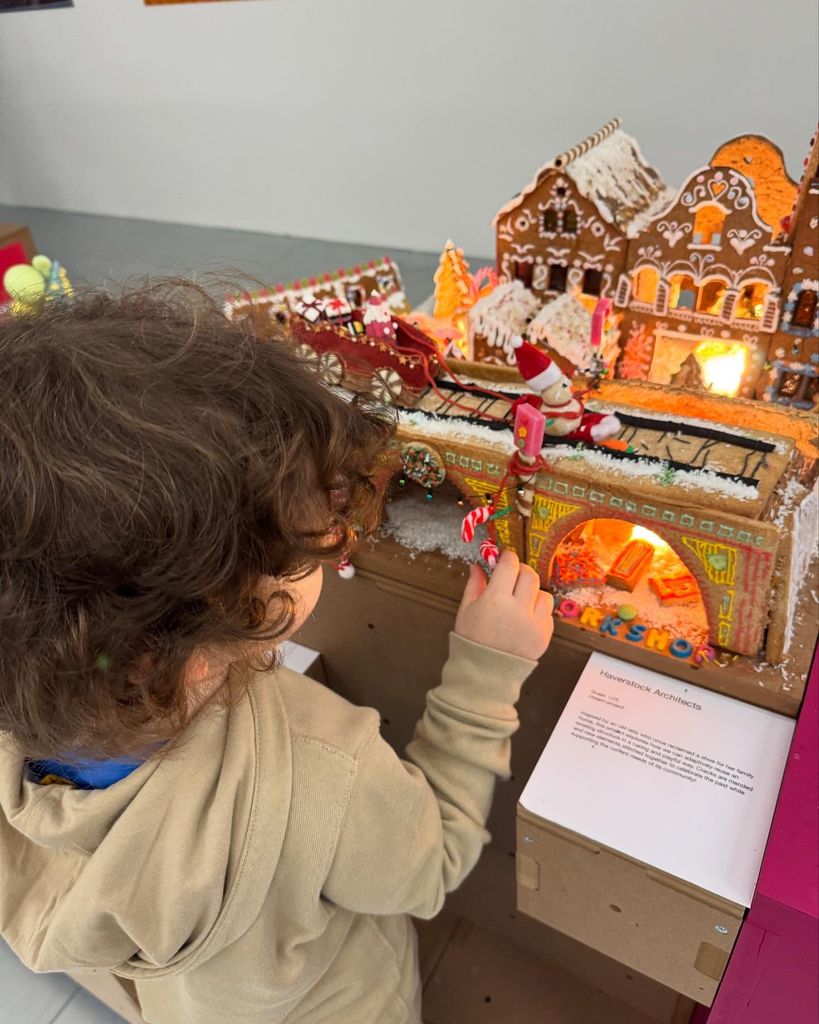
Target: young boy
[{"x": 238, "y": 841}]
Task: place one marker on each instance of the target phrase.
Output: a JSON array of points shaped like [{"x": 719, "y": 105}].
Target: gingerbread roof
[
  {"x": 608, "y": 169},
  {"x": 565, "y": 326}
]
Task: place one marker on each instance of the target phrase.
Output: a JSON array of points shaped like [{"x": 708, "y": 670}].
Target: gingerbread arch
[{"x": 540, "y": 555}]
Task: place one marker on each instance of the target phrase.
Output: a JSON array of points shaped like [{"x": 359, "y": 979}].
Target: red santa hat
[{"x": 536, "y": 368}]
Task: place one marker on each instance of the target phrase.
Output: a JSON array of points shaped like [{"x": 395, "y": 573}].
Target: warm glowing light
[
  {"x": 723, "y": 366},
  {"x": 642, "y": 533}
]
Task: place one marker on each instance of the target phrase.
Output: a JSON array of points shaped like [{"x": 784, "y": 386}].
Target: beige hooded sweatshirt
[{"x": 264, "y": 870}]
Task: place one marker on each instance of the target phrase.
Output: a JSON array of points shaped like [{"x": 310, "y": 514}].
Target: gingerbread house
[
  {"x": 691, "y": 540},
  {"x": 568, "y": 229},
  {"x": 717, "y": 283},
  {"x": 704, "y": 279},
  {"x": 331, "y": 296}
]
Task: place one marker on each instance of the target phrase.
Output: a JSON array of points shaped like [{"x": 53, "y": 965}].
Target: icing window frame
[
  {"x": 709, "y": 225},
  {"x": 752, "y": 295},
  {"x": 645, "y": 284}
]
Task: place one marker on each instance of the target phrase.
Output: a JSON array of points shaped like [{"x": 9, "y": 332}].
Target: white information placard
[{"x": 678, "y": 777}]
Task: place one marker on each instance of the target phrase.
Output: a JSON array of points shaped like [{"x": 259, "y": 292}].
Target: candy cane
[
  {"x": 490, "y": 553},
  {"x": 473, "y": 519}
]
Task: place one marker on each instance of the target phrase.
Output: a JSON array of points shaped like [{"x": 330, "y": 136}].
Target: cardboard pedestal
[
  {"x": 662, "y": 926},
  {"x": 19, "y": 233}
]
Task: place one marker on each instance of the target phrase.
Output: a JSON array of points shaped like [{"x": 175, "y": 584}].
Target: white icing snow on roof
[
  {"x": 614, "y": 175},
  {"x": 564, "y": 325}
]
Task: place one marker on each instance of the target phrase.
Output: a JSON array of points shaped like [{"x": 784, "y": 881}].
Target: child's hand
[{"x": 509, "y": 612}]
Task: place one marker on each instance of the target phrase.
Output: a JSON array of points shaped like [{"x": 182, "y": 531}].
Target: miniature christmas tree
[
  {"x": 636, "y": 358},
  {"x": 453, "y": 284},
  {"x": 378, "y": 322},
  {"x": 689, "y": 375}
]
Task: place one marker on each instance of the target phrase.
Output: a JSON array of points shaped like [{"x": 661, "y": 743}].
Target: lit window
[
  {"x": 711, "y": 297},
  {"x": 683, "y": 292},
  {"x": 550, "y": 220},
  {"x": 645, "y": 285},
  {"x": 750, "y": 303},
  {"x": 805, "y": 309},
  {"x": 708, "y": 225},
  {"x": 557, "y": 277},
  {"x": 592, "y": 282}
]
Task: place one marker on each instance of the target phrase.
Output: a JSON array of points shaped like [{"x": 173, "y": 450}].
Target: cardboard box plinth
[
  {"x": 664, "y": 927},
  {"x": 10, "y": 233}
]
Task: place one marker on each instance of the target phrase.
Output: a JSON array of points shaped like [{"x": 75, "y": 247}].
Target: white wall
[{"x": 365, "y": 120}]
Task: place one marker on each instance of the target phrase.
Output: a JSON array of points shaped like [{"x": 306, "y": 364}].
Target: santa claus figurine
[
  {"x": 566, "y": 416},
  {"x": 378, "y": 321}
]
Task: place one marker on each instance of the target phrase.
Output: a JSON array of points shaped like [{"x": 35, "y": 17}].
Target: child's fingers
[
  {"x": 544, "y": 603},
  {"x": 527, "y": 585},
  {"x": 506, "y": 573},
  {"x": 475, "y": 585}
]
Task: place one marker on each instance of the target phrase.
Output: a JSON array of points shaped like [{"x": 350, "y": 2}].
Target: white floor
[{"x": 28, "y": 998}]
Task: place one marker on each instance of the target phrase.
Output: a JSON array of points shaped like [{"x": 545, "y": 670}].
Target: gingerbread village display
[{"x": 627, "y": 399}]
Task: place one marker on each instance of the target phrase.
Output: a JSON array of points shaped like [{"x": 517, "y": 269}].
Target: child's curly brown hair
[{"x": 157, "y": 461}]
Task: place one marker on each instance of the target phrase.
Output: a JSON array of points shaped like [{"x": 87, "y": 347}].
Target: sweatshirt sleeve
[{"x": 414, "y": 829}]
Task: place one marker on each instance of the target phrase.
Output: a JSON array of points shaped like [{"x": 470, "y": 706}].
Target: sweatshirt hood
[{"x": 159, "y": 871}]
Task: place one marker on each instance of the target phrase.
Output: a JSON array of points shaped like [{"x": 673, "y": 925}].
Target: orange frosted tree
[{"x": 453, "y": 284}]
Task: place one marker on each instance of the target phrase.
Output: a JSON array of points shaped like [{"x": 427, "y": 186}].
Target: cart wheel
[
  {"x": 308, "y": 354},
  {"x": 331, "y": 368},
  {"x": 386, "y": 386}
]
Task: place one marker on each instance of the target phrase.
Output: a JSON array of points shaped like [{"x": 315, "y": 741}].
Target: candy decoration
[
  {"x": 625, "y": 628},
  {"x": 386, "y": 385},
  {"x": 530, "y": 426},
  {"x": 345, "y": 568},
  {"x": 630, "y": 565},
  {"x": 490, "y": 553},
  {"x": 576, "y": 567},
  {"x": 475, "y": 517},
  {"x": 423, "y": 464},
  {"x": 529, "y": 429},
  {"x": 601, "y": 311},
  {"x": 674, "y": 589}
]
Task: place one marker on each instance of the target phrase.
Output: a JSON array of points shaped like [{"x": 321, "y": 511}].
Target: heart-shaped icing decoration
[
  {"x": 716, "y": 188},
  {"x": 718, "y": 562}
]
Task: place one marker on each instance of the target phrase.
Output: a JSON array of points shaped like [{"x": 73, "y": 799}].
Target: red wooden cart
[{"x": 394, "y": 372}]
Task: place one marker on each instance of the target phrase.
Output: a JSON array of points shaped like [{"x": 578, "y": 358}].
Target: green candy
[{"x": 626, "y": 612}]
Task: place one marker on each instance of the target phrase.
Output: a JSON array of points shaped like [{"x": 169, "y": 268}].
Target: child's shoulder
[{"x": 317, "y": 714}]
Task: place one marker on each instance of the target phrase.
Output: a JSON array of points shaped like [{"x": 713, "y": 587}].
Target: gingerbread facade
[
  {"x": 717, "y": 274},
  {"x": 703, "y": 278},
  {"x": 568, "y": 230},
  {"x": 793, "y": 378},
  {"x": 333, "y": 295}
]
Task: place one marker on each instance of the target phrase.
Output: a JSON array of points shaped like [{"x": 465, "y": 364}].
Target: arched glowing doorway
[{"x": 617, "y": 566}]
